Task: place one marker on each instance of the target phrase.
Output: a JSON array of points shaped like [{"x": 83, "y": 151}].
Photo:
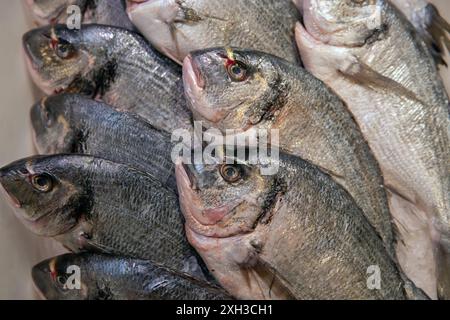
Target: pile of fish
[{"x": 359, "y": 207}]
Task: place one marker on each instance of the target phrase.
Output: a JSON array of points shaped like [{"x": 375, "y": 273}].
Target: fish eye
[
  {"x": 231, "y": 173},
  {"x": 237, "y": 71},
  {"x": 64, "y": 49},
  {"x": 61, "y": 280},
  {"x": 42, "y": 182}
]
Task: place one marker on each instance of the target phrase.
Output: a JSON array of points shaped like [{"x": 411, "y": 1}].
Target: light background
[{"x": 19, "y": 249}]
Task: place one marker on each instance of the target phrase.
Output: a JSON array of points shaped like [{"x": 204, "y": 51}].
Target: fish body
[
  {"x": 373, "y": 54},
  {"x": 293, "y": 235},
  {"x": 313, "y": 123},
  {"x": 111, "y": 12},
  {"x": 91, "y": 204},
  {"x": 103, "y": 277},
  {"x": 111, "y": 64},
  {"x": 178, "y": 27},
  {"x": 72, "y": 123}
]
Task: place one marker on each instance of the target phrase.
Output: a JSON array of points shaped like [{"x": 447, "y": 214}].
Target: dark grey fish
[
  {"x": 429, "y": 24},
  {"x": 71, "y": 123},
  {"x": 103, "y": 277},
  {"x": 110, "y": 12},
  {"x": 111, "y": 64},
  {"x": 293, "y": 235},
  {"x": 91, "y": 204}
]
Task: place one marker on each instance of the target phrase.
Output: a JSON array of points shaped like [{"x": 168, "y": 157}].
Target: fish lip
[
  {"x": 13, "y": 199},
  {"x": 194, "y": 86},
  {"x": 203, "y": 227}
]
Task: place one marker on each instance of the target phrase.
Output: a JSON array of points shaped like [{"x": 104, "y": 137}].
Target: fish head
[
  {"x": 230, "y": 88},
  {"x": 51, "y": 11},
  {"x": 56, "y": 56},
  {"x": 224, "y": 206},
  {"x": 51, "y": 119},
  {"x": 227, "y": 197},
  {"x": 178, "y": 27},
  {"x": 46, "y": 193},
  {"x": 56, "y": 278},
  {"x": 347, "y": 23}
]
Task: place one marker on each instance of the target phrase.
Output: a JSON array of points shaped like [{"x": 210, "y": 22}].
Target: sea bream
[
  {"x": 296, "y": 234},
  {"x": 91, "y": 204},
  {"x": 111, "y": 64},
  {"x": 177, "y": 27},
  {"x": 246, "y": 89},
  {"x": 371, "y": 56}
]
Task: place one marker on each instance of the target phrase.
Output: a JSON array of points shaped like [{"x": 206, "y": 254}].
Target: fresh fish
[
  {"x": 103, "y": 277},
  {"x": 91, "y": 204},
  {"x": 71, "y": 123},
  {"x": 177, "y": 27},
  {"x": 111, "y": 64},
  {"x": 371, "y": 57},
  {"x": 245, "y": 89},
  {"x": 293, "y": 235},
  {"x": 427, "y": 20},
  {"x": 110, "y": 12}
]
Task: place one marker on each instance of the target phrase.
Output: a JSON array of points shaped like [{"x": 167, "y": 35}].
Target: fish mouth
[
  {"x": 13, "y": 200},
  {"x": 194, "y": 86},
  {"x": 207, "y": 222}
]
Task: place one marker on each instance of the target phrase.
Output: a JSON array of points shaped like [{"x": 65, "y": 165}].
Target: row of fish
[{"x": 363, "y": 178}]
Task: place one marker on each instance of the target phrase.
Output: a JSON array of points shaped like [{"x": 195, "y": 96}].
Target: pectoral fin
[{"x": 360, "y": 72}]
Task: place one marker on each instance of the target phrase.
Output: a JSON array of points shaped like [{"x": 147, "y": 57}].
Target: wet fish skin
[
  {"x": 313, "y": 122},
  {"x": 406, "y": 123},
  {"x": 239, "y": 227},
  {"x": 72, "y": 123},
  {"x": 178, "y": 27},
  {"x": 427, "y": 20},
  {"x": 111, "y": 64},
  {"x": 91, "y": 204},
  {"x": 106, "y": 277},
  {"x": 111, "y": 12}
]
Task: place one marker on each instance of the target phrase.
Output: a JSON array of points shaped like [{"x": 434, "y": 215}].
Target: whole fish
[
  {"x": 110, "y": 12},
  {"x": 293, "y": 235},
  {"x": 91, "y": 204},
  {"x": 427, "y": 20},
  {"x": 370, "y": 55},
  {"x": 246, "y": 89},
  {"x": 111, "y": 64},
  {"x": 71, "y": 123},
  {"x": 103, "y": 277},
  {"x": 177, "y": 27}
]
